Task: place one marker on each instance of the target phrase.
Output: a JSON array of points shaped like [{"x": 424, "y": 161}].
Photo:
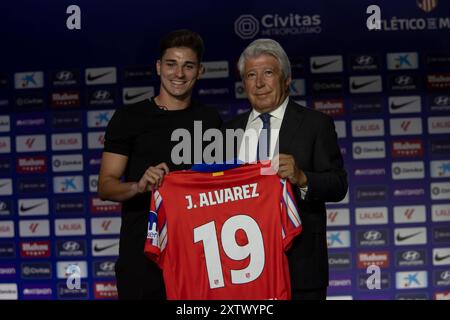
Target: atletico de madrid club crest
[{"x": 427, "y": 5}]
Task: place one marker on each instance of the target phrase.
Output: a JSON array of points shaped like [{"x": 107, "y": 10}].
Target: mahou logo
[
  {"x": 366, "y": 259},
  {"x": 407, "y": 148},
  {"x": 65, "y": 99},
  {"x": 105, "y": 290},
  {"x": 100, "y": 206},
  {"x": 331, "y": 107},
  {"x": 35, "y": 249},
  {"x": 37, "y": 164}
]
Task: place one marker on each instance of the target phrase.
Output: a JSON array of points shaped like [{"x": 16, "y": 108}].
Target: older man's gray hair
[{"x": 265, "y": 46}]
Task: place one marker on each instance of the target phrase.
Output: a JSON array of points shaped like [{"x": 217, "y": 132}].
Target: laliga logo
[
  {"x": 74, "y": 277},
  {"x": 246, "y": 26}
]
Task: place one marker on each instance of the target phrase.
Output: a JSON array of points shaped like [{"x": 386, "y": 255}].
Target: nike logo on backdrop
[
  {"x": 440, "y": 258},
  {"x": 99, "y": 249},
  {"x": 403, "y": 238},
  {"x": 356, "y": 86},
  {"x": 25, "y": 209},
  {"x": 92, "y": 78},
  {"x": 398, "y": 106},
  {"x": 131, "y": 97},
  {"x": 317, "y": 66}
]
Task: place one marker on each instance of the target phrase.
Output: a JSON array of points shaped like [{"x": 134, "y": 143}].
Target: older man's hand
[{"x": 288, "y": 170}]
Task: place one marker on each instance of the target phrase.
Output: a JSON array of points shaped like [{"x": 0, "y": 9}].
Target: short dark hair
[{"x": 182, "y": 38}]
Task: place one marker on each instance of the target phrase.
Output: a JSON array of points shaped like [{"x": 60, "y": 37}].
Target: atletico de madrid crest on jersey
[{"x": 427, "y": 5}]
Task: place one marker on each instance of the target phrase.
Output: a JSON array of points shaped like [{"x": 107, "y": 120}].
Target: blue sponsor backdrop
[{"x": 388, "y": 90}]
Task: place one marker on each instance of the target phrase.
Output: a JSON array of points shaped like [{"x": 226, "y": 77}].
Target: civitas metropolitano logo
[{"x": 248, "y": 26}]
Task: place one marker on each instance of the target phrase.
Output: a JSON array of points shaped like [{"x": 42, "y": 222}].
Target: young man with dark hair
[{"x": 138, "y": 148}]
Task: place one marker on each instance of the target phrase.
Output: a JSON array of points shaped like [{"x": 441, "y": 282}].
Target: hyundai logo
[
  {"x": 64, "y": 75},
  {"x": 107, "y": 266},
  {"x": 442, "y": 100},
  {"x": 403, "y": 80},
  {"x": 71, "y": 246},
  {"x": 364, "y": 60},
  {"x": 372, "y": 235},
  {"x": 101, "y": 95},
  {"x": 411, "y": 255},
  {"x": 445, "y": 275}
]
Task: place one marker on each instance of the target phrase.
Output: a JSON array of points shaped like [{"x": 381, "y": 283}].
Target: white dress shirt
[{"x": 249, "y": 144}]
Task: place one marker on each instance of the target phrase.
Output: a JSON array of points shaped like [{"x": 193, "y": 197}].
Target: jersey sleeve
[
  {"x": 156, "y": 231},
  {"x": 290, "y": 218}
]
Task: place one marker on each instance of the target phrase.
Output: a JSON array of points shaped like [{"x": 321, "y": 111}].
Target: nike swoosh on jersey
[
  {"x": 362, "y": 85},
  {"x": 440, "y": 258},
  {"x": 128, "y": 97},
  {"x": 2, "y": 185},
  {"x": 92, "y": 78},
  {"x": 400, "y": 238},
  {"x": 25, "y": 209},
  {"x": 99, "y": 249},
  {"x": 317, "y": 66},
  {"x": 398, "y": 106}
]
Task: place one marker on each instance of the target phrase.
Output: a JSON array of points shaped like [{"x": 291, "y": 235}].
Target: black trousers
[{"x": 309, "y": 294}]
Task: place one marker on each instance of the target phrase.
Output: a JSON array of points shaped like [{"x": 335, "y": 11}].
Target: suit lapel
[
  {"x": 241, "y": 122},
  {"x": 292, "y": 120}
]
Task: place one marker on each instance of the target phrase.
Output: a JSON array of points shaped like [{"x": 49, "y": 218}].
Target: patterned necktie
[{"x": 264, "y": 138}]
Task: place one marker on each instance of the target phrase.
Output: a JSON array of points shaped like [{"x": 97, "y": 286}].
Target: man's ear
[
  {"x": 288, "y": 81},
  {"x": 201, "y": 71},
  {"x": 158, "y": 67}
]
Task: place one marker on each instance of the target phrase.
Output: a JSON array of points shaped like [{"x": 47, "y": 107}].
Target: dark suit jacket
[{"x": 310, "y": 137}]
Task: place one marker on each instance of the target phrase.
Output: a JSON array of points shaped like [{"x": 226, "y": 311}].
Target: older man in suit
[{"x": 309, "y": 157}]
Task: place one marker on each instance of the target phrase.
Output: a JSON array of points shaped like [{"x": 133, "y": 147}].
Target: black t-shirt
[{"x": 142, "y": 132}]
